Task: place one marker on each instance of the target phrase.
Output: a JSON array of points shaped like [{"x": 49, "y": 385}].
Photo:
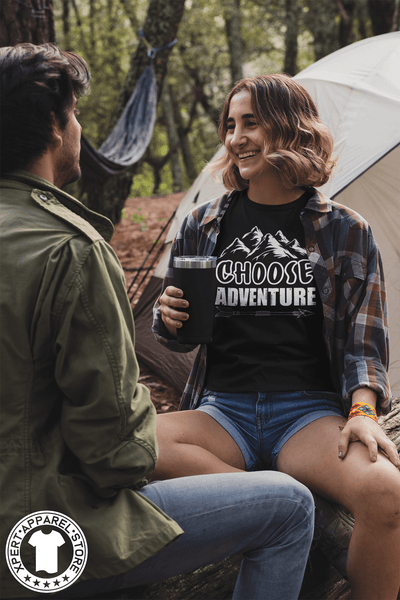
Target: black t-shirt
[{"x": 268, "y": 318}]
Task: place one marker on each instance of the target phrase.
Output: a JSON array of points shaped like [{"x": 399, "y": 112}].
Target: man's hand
[{"x": 367, "y": 431}]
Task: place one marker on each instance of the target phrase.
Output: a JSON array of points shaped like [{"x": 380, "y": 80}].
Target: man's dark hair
[{"x": 35, "y": 82}]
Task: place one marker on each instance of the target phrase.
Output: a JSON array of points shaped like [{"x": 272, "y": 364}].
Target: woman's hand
[
  {"x": 367, "y": 431},
  {"x": 170, "y": 301}
]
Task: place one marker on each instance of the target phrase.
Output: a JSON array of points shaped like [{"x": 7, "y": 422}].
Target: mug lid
[{"x": 195, "y": 262}]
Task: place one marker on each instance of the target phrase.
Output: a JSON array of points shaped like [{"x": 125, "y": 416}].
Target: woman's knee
[{"x": 377, "y": 496}]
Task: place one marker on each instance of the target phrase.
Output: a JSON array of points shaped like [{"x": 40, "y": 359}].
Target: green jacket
[{"x": 77, "y": 430}]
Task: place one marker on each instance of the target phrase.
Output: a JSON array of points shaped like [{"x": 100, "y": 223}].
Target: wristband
[{"x": 363, "y": 409}]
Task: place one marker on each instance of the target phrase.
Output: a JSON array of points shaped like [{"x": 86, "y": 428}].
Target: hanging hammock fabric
[
  {"x": 129, "y": 139},
  {"x": 132, "y": 134}
]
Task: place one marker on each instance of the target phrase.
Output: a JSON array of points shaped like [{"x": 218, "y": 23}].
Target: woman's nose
[{"x": 237, "y": 137}]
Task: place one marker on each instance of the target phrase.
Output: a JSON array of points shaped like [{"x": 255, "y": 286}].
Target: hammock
[{"x": 131, "y": 135}]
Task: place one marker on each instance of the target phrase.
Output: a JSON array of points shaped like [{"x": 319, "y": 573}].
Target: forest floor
[{"x": 142, "y": 222}]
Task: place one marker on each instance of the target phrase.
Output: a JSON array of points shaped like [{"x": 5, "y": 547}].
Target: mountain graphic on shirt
[{"x": 254, "y": 245}]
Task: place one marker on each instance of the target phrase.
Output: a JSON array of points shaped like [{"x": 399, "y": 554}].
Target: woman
[{"x": 300, "y": 335}]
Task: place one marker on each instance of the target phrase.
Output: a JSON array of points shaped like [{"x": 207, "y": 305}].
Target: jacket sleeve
[
  {"x": 108, "y": 419},
  {"x": 366, "y": 353}
]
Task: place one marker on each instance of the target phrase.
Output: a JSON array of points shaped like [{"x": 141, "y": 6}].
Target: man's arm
[{"x": 108, "y": 419}]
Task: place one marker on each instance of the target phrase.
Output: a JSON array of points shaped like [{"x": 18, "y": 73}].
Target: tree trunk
[
  {"x": 160, "y": 27},
  {"x": 156, "y": 166},
  {"x": 66, "y": 23},
  {"x": 26, "y": 22},
  {"x": 131, "y": 13},
  {"x": 347, "y": 9},
  {"x": 321, "y": 21},
  {"x": 383, "y": 15},
  {"x": 292, "y": 26},
  {"x": 92, "y": 34},
  {"x": 216, "y": 582},
  {"x": 234, "y": 36},
  {"x": 183, "y": 136},
  {"x": 362, "y": 18},
  {"x": 173, "y": 138}
]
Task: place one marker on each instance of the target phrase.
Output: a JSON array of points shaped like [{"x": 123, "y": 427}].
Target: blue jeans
[{"x": 266, "y": 515}]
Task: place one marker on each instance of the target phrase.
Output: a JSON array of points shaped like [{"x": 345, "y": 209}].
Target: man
[{"x": 77, "y": 429}]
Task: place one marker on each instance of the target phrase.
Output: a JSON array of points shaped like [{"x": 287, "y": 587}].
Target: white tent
[{"x": 357, "y": 92}]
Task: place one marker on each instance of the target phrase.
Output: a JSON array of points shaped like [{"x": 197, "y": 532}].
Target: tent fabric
[{"x": 357, "y": 92}]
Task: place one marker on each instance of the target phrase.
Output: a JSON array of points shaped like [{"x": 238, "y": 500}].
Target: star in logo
[
  {"x": 27, "y": 578},
  {"x": 56, "y": 582},
  {"x": 37, "y": 583},
  {"x": 46, "y": 584}
]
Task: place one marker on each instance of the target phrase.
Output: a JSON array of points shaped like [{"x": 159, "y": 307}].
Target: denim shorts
[{"x": 261, "y": 423}]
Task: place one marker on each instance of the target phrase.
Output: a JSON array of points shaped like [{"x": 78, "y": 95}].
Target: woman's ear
[{"x": 57, "y": 138}]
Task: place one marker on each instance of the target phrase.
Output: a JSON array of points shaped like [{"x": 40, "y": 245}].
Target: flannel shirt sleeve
[{"x": 366, "y": 352}]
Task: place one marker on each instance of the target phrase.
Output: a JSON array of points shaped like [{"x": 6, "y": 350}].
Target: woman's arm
[{"x": 366, "y": 351}]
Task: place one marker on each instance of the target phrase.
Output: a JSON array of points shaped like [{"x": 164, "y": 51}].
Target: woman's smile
[
  {"x": 245, "y": 137},
  {"x": 244, "y": 155}
]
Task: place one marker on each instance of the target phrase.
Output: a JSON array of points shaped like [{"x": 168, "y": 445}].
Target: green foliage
[
  {"x": 198, "y": 69},
  {"x": 138, "y": 218},
  {"x": 143, "y": 182},
  {"x": 105, "y": 38}
]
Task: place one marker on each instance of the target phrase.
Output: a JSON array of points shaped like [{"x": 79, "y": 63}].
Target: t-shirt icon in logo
[{"x": 46, "y": 550}]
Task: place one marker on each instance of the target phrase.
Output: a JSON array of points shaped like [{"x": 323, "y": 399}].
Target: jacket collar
[{"x": 102, "y": 224}]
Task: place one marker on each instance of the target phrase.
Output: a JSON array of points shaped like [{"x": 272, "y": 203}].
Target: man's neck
[{"x": 43, "y": 167}]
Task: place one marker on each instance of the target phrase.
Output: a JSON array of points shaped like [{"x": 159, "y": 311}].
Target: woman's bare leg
[
  {"x": 370, "y": 491},
  {"x": 193, "y": 443}
]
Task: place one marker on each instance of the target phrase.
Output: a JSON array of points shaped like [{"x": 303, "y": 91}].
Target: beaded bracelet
[{"x": 363, "y": 409}]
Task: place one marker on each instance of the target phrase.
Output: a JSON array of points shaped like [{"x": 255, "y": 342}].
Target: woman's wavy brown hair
[{"x": 297, "y": 143}]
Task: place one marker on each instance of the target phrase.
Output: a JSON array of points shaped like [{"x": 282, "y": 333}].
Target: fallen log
[{"x": 325, "y": 573}]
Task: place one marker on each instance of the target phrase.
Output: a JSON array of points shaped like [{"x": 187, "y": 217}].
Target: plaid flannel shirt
[{"x": 347, "y": 267}]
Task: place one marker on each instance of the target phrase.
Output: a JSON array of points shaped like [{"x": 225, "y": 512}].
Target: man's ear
[{"x": 57, "y": 138}]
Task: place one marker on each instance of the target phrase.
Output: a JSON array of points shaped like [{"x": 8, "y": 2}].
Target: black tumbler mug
[{"x": 195, "y": 276}]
